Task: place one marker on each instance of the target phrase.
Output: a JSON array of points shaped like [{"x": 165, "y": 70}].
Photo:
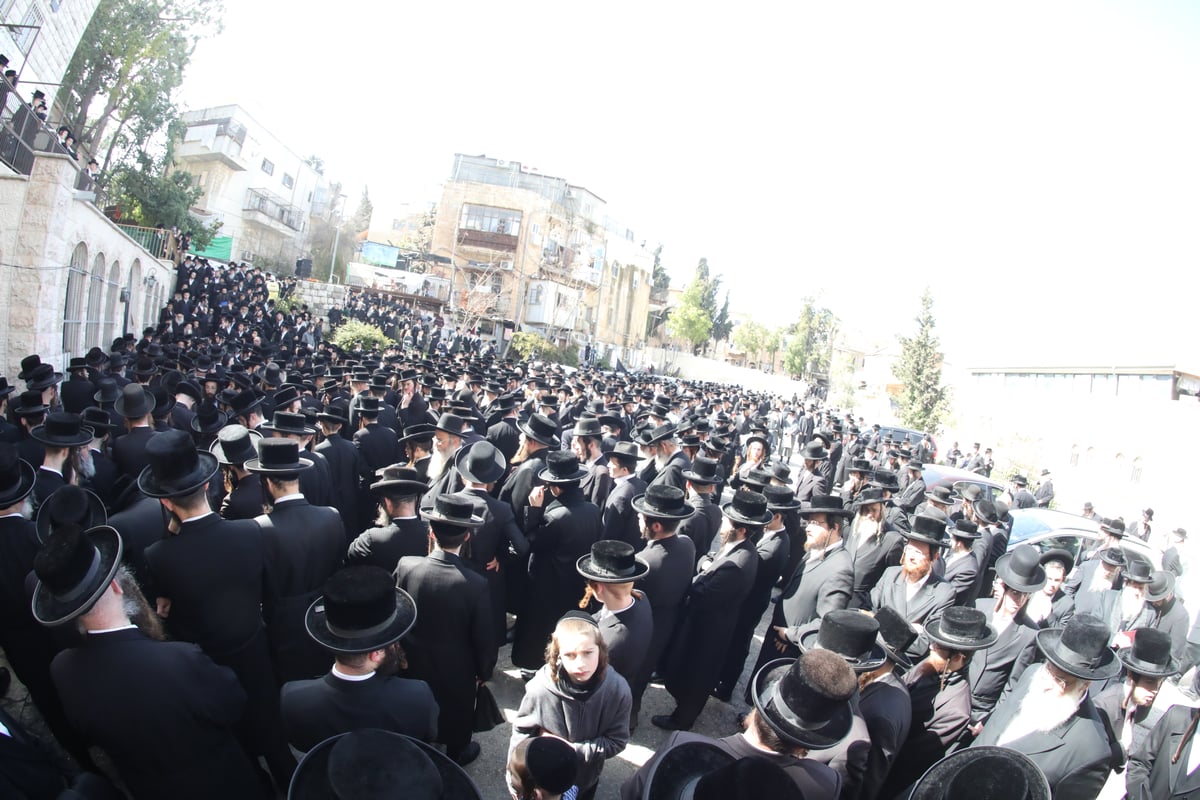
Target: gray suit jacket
[
  {"x": 815, "y": 590},
  {"x": 1151, "y": 775}
]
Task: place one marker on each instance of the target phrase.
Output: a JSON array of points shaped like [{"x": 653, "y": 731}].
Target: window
[
  {"x": 95, "y": 304},
  {"x": 287, "y": 180},
  {"x": 268, "y": 167},
  {"x": 24, "y": 36},
  {"x": 535, "y": 295},
  {"x": 491, "y": 220},
  {"x": 497, "y": 283},
  {"x": 73, "y": 307},
  {"x": 111, "y": 304},
  {"x": 637, "y": 280}
]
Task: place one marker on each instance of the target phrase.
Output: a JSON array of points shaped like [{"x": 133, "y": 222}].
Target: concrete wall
[{"x": 43, "y": 230}]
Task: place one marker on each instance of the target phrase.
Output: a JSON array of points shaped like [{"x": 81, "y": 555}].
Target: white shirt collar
[
  {"x": 198, "y": 516},
  {"x": 294, "y": 496},
  {"x": 337, "y": 673},
  {"x": 111, "y": 630},
  {"x": 911, "y": 589}
]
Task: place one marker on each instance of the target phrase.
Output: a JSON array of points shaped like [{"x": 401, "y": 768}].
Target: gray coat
[
  {"x": 1151, "y": 775},
  {"x": 1001, "y": 664},
  {"x": 598, "y": 727}
]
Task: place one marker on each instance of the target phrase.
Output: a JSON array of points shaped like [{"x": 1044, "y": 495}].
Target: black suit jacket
[
  {"x": 453, "y": 642},
  {"x": 380, "y": 447},
  {"x": 314, "y": 710},
  {"x": 671, "y": 473},
  {"x": 815, "y": 590},
  {"x": 672, "y": 564},
  {"x": 214, "y": 572},
  {"x": 619, "y": 520},
  {"x": 76, "y": 394},
  {"x": 1075, "y": 757},
  {"x": 1000, "y": 665},
  {"x": 1151, "y": 775},
  {"x": 701, "y": 527},
  {"x": 129, "y": 451},
  {"x": 506, "y": 437},
  {"x": 927, "y": 605},
  {"x": 141, "y": 523},
  {"x": 628, "y": 634},
  {"x": 303, "y": 545},
  {"x": 347, "y": 468},
  {"x": 384, "y": 547},
  {"x": 245, "y": 501},
  {"x": 162, "y": 711},
  {"x": 886, "y": 709}
]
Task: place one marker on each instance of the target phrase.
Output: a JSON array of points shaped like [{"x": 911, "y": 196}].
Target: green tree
[
  {"x": 924, "y": 401},
  {"x": 771, "y": 343},
  {"x": 722, "y": 324},
  {"x": 689, "y": 319},
  {"x": 662, "y": 280},
  {"x": 749, "y": 337},
  {"x": 362, "y": 215},
  {"x": 811, "y": 341}
]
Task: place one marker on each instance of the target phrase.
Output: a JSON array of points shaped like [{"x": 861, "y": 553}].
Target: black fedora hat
[
  {"x": 1021, "y": 569},
  {"x": 42, "y": 378},
  {"x": 1113, "y": 527},
  {"x": 62, "y": 430},
  {"x": 703, "y": 471},
  {"x": 176, "y": 467},
  {"x": 780, "y": 499},
  {"x": 73, "y": 569},
  {"x": 286, "y": 395},
  {"x": 652, "y": 436},
  {"x": 235, "y": 444},
  {"x": 288, "y": 422},
  {"x": 587, "y": 426},
  {"x": 987, "y": 512},
  {"x": 360, "y": 610},
  {"x": 335, "y": 413},
  {"x": 747, "y": 508},
  {"x": 829, "y": 505},
  {"x": 1080, "y": 648},
  {"x": 851, "y": 634},
  {"x": 399, "y": 481},
  {"x": 418, "y": 432},
  {"x": 962, "y": 628},
  {"x": 611, "y": 561},
  {"x": 480, "y": 462},
  {"x": 896, "y": 635},
  {"x": 277, "y": 457},
  {"x": 1138, "y": 570},
  {"x": 675, "y": 774},
  {"x": 5, "y": 387},
  {"x": 541, "y": 429},
  {"x": 626, "y": 453},
  {"x": 562, "y": 467},
  {"x": 107, "y": 391},
  {"x": 872, "y": 495},
  {"x": 144, "y": 367},
  {"x": 208, "y": 419},
  {"x": 28, "y": 365},
  {"x": 804, "y": 714},
  {"x": 942, "y": 494},
  {"x": 964, "y": 528},
  {"x": 373, "y": 764},
  {"x": 861, "y": 465},
  {"x": 663, "y": 502},
  {"x": 70, "y": 504},
  {"x": 757, "y": 480},
  {"x": 886, "y": 479},
  {"x": 452, "y": 424},
  {"x": 1113, "y": 556},
  {"x": 928, "y": 528},
  {"x": 98, "y": 420},
  {"x": 814, "y": 451},
  {"x": 984, "y": 772},
  {"x": 748, "y": 778},
  {"x": 1150, "y": 654},
  {"x": 244, "y": 402},
  {"x": 17, "y": 476},
  {"x": 135, "y": 402},
  {"x": 457, "y": 509},
  {"x": 1161, "y": 586}
]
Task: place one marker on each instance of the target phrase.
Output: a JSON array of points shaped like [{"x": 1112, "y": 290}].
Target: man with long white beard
[
  {"x": 874, "y": 544},
  {"x": 1093, "y": 578},
  {"x": 1050, "y": 718},
  {"x": 1120, "y": 609}
]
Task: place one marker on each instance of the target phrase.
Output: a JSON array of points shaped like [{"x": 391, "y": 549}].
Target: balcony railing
[
  {"x": 486, "y": 239},
  {"x": 273, "y": 210}
]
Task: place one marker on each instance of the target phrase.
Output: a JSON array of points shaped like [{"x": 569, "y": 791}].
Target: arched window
[
  {"x": 112, "y": 306},
  {"x": 95, "y": 305},
  {"x": 73, "y": 306},
  {"x": 135, "y": 286}
]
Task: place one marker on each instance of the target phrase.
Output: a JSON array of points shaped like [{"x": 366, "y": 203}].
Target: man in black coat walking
[
  {"x": 405, "y": 534},
  {"x": 619, "y": 519},
  {"x": 347, "y": 468},
  {"x": 452, "y": 647}
]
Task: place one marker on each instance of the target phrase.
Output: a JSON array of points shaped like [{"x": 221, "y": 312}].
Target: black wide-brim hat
[
  {"x": 1150, "y": 654},
  {"x": 457, "y": 509},
  {"x": 653, "y": 508},
  {"x": 209, "y": 424},
  {"x": 131, "y": 406},
  {"x": 480, "y": 462},
  {"x": 748, "y": 508},
  {"x": 50, "y": 512},
  {"x": 58, "y": 433},
  {"x": 541, "y": 429},
  {"x": 247, "y": 447},
  {"x": 985, "y": 772},
  {"x": 790, "y": 726},
  {"x": 187, "y": 482},
  {"x": 16, "y": 492},
  {"x": 1021, "y": 569},
  {"x": 312, "y": 779},
  {"x": 680, "y": 767},
  {"x": 939, "y": 632},
  {"x": 607, "y": 563},
  {"x": 381, "y": 636},
  {"x": 51, "y": 609},
  {"x": 867, "y": 661},
  {"x": 1086, "y": 630},
  {"x": 828, "y": 505}
]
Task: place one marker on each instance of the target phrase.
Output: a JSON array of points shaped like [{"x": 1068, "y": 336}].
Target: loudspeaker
[{"x": 303, "y": 267}]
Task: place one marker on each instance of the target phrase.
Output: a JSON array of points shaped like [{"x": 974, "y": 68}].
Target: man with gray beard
[{"x": 1050, "y": 718}]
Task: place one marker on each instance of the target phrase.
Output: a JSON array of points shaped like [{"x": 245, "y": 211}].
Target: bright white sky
[{"x": 1036, "y": 163}]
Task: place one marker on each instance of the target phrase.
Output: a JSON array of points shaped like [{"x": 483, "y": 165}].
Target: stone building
[
  {"x": 542, "y": 254},
  {"x": 40, "y": 36},
  {"x": 261, "y": 192}
]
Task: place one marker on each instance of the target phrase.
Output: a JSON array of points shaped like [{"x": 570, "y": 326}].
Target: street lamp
[{"x": 337, "y": 233}]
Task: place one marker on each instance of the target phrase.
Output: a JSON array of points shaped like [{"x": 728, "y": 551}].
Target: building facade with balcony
[
  {"x": 260, "y": 191},
  {"x": 40, "y": 36},
  {"x": 533, "y": 250}
]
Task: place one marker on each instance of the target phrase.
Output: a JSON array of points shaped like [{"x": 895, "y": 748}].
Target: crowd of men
[{"x": 228, "y": 541}]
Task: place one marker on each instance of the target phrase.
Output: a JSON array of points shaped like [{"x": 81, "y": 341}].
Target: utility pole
[{"x": 337, "y": 233}]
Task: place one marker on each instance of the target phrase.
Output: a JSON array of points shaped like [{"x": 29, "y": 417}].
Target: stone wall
[
  {"x": 320, "y": 297},
  {"x": 43, "y": 227}
]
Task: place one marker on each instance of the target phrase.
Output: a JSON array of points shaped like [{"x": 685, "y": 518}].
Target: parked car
[
  {"x": 940, "y": 475},
  {"x": 1047, "y": 529},
  {"x": 913, "y": 437}
]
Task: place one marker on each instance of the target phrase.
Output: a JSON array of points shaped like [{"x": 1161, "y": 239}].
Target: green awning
[{"x": 220, "y": 248}]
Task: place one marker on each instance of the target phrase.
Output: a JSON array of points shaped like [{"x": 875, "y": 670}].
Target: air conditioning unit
[
  {"x": 247, "y": 255},
  {"x": 505, "y": 265},
  {"x": 500, "y": 162}
]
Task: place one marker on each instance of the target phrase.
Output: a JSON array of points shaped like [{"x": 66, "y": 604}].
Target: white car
[{"x": 1047, "y": 529}]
